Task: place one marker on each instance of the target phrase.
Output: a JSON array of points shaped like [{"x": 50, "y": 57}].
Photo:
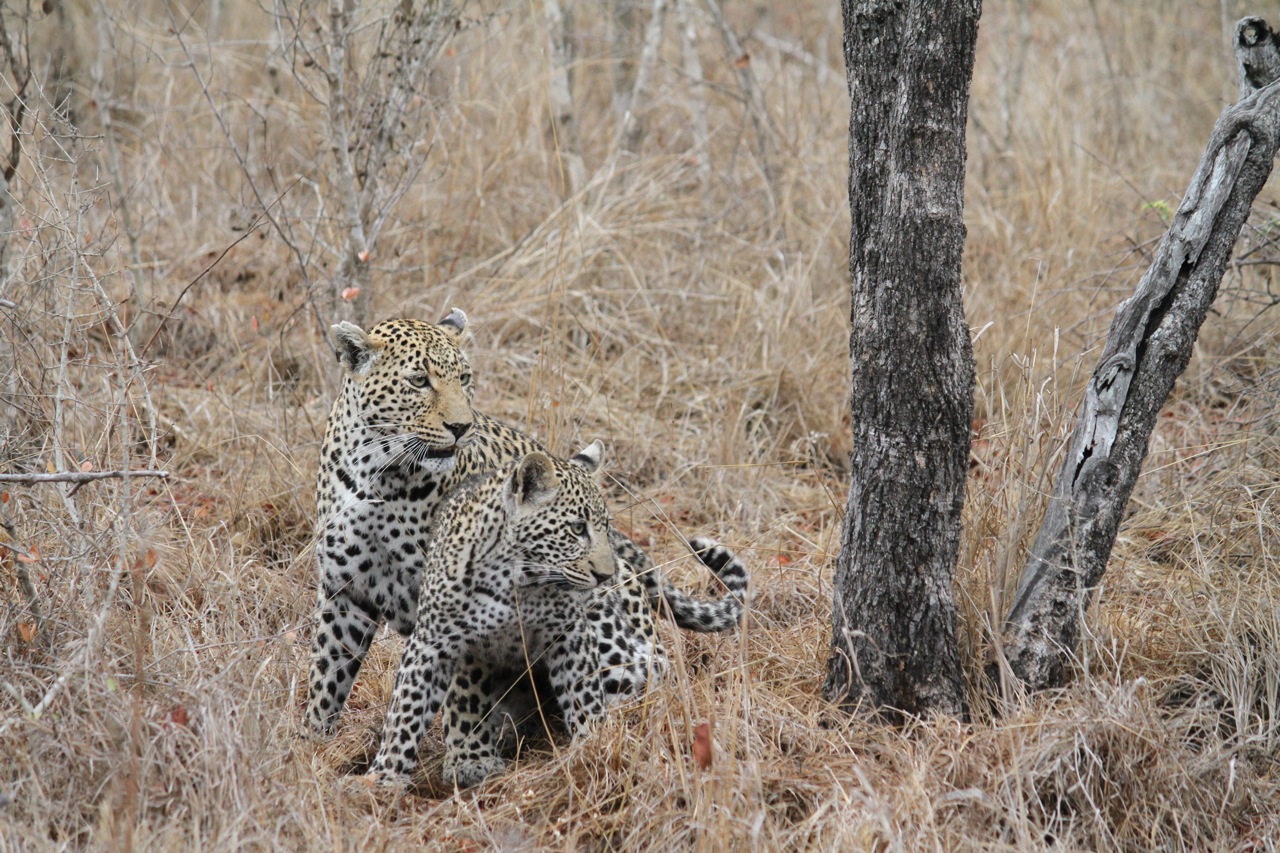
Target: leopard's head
[
  {"x": 559, "y": 525},
  {"x": 412, "y": 385}
]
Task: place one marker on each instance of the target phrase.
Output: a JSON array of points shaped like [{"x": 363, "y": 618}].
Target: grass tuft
[{"x": 154, "y": 633}]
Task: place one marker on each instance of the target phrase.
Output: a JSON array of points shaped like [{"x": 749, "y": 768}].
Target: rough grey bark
[
  {"x": 893, "y": 645},
  {"x": 1257, "y": 56},
  {"x": 1147, "y": 348}
]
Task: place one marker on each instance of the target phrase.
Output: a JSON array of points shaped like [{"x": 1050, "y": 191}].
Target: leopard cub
[{"x": 507, "y": 582}]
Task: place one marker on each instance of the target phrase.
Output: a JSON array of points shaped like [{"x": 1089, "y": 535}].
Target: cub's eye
[
  {"x": 578, "y": 528},
  {"x": 419, "y": 380},
  {"x": 466, "y": 379}
]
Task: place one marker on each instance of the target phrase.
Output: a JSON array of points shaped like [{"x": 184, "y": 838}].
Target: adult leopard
[{"x": 402, "y": 437}]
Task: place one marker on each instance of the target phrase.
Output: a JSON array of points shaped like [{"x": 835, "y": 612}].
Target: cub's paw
[{"x": 468, "y": 772}]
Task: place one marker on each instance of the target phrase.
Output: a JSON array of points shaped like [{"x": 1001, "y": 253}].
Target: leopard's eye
[
  {"x": 419, "y": 380},
  {"x": 466, "y": 379},
  {"x": 578, "y": 528}
]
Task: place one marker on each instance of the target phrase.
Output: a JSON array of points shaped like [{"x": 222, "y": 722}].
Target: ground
[{"x": 688, "y": 306}]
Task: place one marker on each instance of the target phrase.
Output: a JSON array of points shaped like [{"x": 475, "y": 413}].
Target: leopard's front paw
[
  {"x": 385, "y": 780},
  {"x": 468, "y": 772},
  {"x": 312, "y": 728},
  {"x": 384, "y": 775}
]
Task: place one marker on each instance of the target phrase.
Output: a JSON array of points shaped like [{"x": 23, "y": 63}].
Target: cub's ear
[
  {"x": 355, "y": 350},
  {"x": 589, "y": 457},
  {"x": 455, "y": 323},
  {"x": 534, "y": 482}
]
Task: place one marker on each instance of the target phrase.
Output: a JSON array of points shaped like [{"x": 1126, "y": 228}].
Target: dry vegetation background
[{"x": 688, "y": 306}]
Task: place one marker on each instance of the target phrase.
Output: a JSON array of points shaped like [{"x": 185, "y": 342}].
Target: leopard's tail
[{"x": 689, "y": 613}]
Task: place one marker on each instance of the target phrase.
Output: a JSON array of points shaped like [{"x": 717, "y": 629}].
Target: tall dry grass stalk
[{"x": 688, "y": 305}]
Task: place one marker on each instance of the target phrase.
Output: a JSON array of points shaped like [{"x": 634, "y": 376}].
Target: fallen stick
[{"x": 79, "y": 476}]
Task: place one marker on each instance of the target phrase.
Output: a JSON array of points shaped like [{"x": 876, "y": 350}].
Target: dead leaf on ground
[{"x": 702, "y": 745}]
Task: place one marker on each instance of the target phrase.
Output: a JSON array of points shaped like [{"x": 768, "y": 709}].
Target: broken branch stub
[
  {"x": 1147, "y": 348},
  {"x": 1257, "y": 49}
]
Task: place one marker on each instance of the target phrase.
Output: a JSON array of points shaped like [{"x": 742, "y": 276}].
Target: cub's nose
[{"x": 458, "y": 430}]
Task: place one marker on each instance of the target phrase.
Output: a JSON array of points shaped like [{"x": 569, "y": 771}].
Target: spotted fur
[
  {"x": 627, "y": 656},
  {"x": 507, "y": 581},
  {"x": 402, "y": 437}
]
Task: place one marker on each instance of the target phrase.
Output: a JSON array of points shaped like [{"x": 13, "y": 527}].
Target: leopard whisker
[{"x": 541, "y": 574}]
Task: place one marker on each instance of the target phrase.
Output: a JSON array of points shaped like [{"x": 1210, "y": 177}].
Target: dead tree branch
[
  {"x": 80, "y": 476},
  {"x": 697, "y": 90},
  {"x": 631, "y": 129},
  {"x": 1257, "y": 56},
  {"x": 560, "y": 93},
  {"x": 1147, "y": 348},
  {"x": 354, "y": 271},
  {"x": 15, "y": 69}
]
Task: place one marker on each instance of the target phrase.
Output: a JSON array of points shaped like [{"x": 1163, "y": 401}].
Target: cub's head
[
  {"x": 558, "y": 520},
  {"x": 413, "y": 386}
]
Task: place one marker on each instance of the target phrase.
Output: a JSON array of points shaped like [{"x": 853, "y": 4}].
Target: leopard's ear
[
  {"x": 455, "y": 324},
  {"x": 589, "y": 457},
  {"x": 534, "y": 482},
  {"x": 355, "y": 350}
]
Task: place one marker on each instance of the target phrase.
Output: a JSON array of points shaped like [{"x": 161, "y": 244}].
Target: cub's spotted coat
[{"x": 509, "y": 578}]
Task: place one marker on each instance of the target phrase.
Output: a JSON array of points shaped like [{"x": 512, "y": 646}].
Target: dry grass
[{"x": 702, "y": 333}]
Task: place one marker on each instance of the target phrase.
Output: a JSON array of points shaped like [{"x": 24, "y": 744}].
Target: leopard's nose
[{"x": 458, "y": 430}]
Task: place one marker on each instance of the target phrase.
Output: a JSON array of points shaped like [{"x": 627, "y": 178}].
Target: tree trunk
[
  {"x": 893, "y": 641},
  {"x": 1147, "y": 348}
]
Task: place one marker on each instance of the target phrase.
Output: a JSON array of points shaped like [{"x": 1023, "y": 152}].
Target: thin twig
[
  {"x": 26, "y": 555},
  {"x": 65, "y": 393},
  {"x": 280, "y": 223},
  {"x": 266, "y": 214},
  {"x": 82, "y": 659},
  {"x": 799, "y": 54},
  {"x": 697, "y": 91},
  {"x": 134, "y": 370}
]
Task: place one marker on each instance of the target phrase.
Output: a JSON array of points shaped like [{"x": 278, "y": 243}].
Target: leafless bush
[
  {"x": 369, "y": 67},
  {"x": 78, "y": 407}
]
